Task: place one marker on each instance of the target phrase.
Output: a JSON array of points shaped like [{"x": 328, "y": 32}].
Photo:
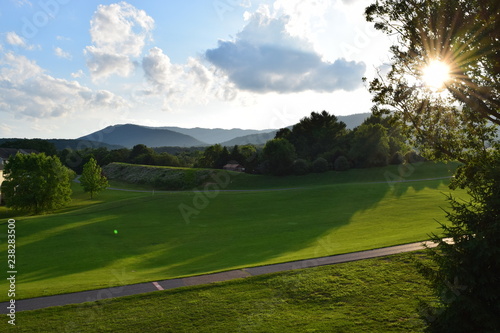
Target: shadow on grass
[{"x": 236, "y": 229}]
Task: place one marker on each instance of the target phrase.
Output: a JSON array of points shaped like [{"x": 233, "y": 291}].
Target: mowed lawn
[
  {"x": 79, "y": 249},
  {"x": 375, "y": 295}
]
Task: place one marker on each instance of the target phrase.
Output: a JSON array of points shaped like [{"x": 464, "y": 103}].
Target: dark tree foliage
[
  {"x": 456, "y": 122},
  {"x": 341, "y": 164},
  {"x": 467, "y": 279},
  {"x": 280, "y": 154},
  {"x": 36, "y": 183},
  {"x": 41, "y": 146},
  {"x": 320, "y": 165},
  {"x": 300, "y": 167},
  {"x": 140, "y": 154},
  {"x": 370, "y": 146},
  {"x": 316, "y": 134}
]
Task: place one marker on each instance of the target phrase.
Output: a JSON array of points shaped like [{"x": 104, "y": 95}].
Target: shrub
[
  {"x": 397, "y": 158},
  {"x": 413, "y": 157},
  {"x": 320, "y": 165},
  {"x": 300, "y": 167},
  {"x": 341, "y": 164}
]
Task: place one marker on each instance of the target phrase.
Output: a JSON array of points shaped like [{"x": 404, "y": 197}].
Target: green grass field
[
  {"x": 375, "y": 295},
  {"x": 325, "y": 214}
]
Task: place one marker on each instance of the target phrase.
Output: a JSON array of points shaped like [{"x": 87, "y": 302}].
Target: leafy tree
[
  {"x": 119, "y": 155},
  {"x": 413, "y": 157},
  {"x": 141, "y": 154},
  {"x": 236, "y": 155},
  {"x": 300, "y": 167},
  {"x": 280, "y": 155},
  {"x": 397, "y": 158},
  {"x": 222, "y": 159},
  {"x": 397, "y": 139},
  {"x": 36, "y": 183},
  {"x": 316, "y": 134},
  {"x": 249, "y": 157},
  {"x": 41, "y": 146},
  {"x": 341, "y": 164},
  {"x": 92, "y": 179},
  {"x": 210, "y": 156},
  {"x": 320, "y": 165},
  {"x": 283, "y": 133},
  {"x": 165, "y": 159},
  {"x": 454, "y": 122},
  {"x": 370, "y": 146}
]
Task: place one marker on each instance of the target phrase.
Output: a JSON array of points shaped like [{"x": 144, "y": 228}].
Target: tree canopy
[
  {"x": 453, "y": 118},
  {"x": 280, "y": 154},
  {"x": 36, "y": 183},
  {"x": 92, "y": 180},
  {"x": 463, "y": 35},
  {"x": 319, "y": 133}
]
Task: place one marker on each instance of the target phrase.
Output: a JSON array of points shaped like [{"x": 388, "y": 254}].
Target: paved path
[{"x": 100, "y": 294}]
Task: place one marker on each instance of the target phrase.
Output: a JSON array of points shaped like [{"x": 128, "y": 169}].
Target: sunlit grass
[
  {"x": 78, "y": 249},
  {"x": 375, "y": 295}
]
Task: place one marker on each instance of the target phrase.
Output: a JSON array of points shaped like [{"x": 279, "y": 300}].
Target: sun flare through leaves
[{"x": 435, "y": 74}]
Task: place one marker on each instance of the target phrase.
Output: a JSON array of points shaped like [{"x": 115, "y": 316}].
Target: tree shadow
[{"x": 233, "y": 229}]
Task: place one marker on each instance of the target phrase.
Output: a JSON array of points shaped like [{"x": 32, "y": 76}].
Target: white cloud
[
  {"x": 61, "y": 53},
  {"x": 14, "y": 39},
  {"x": 26, "y": 90},
  {"x": 265, "y": 57},
  {"x": 119, "y": 33},
  {"x": 178, "y": 84},
  {"x": 5, "y": 131},
  {"x": 78, "y": 74},
  {"x": 305, "y": 17},
  {"x": 21, "y": 3}
]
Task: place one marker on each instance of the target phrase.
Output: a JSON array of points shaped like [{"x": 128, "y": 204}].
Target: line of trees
[
  {"x": 139, "y": 154},
  {"x": 320, "y": 142},
  {"x": 317, "y": 143}
]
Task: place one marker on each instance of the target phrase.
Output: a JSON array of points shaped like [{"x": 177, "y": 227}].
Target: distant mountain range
[
  {"x": 73, "y": 144},
  {"x": 129, "y": 135},
  {"x": 216, "y": 135}
]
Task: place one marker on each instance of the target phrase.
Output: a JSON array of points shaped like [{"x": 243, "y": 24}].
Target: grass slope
[
  {"x": 78, "y": 250},
  {"x": 376, "y": 295}
]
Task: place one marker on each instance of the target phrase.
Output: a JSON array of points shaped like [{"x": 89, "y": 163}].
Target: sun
[{"x": 435, "y": 74}]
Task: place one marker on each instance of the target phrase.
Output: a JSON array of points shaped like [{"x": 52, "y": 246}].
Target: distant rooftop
[{"x": 5, "y": 153}]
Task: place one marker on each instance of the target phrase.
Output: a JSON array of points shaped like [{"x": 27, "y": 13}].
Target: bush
[
  {"x": 300, "y": 167},
  {"x": 413, "y": 157},
  {"x": 330, "y": 157},
  {"x": 160, "y": 178},
  {"x": 397, "y": 158},
  {"x": 341, "y": 164},
  {"x": 320, "y": 165}
]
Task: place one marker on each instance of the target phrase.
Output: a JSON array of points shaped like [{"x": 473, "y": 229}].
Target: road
[{"x": 140, "y": 288}]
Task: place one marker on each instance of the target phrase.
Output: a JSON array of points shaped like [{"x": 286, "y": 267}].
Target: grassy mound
[{"x": 159, "y": 178}]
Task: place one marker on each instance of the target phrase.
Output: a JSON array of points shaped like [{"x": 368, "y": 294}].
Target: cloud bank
[
  {"x": 118, "y": 32},
  {"x": 180, "y": 83},
  {"x": 26, "y": 90},
  {"x": 264, "y": 57}
]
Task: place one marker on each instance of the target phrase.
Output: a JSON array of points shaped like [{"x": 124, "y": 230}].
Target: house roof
[
  {"x": 5, "y": 153},
  {"x": 233, "y": 166}
]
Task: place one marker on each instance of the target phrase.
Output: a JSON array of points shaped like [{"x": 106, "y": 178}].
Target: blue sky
[{"x": 71, "y": 67}]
